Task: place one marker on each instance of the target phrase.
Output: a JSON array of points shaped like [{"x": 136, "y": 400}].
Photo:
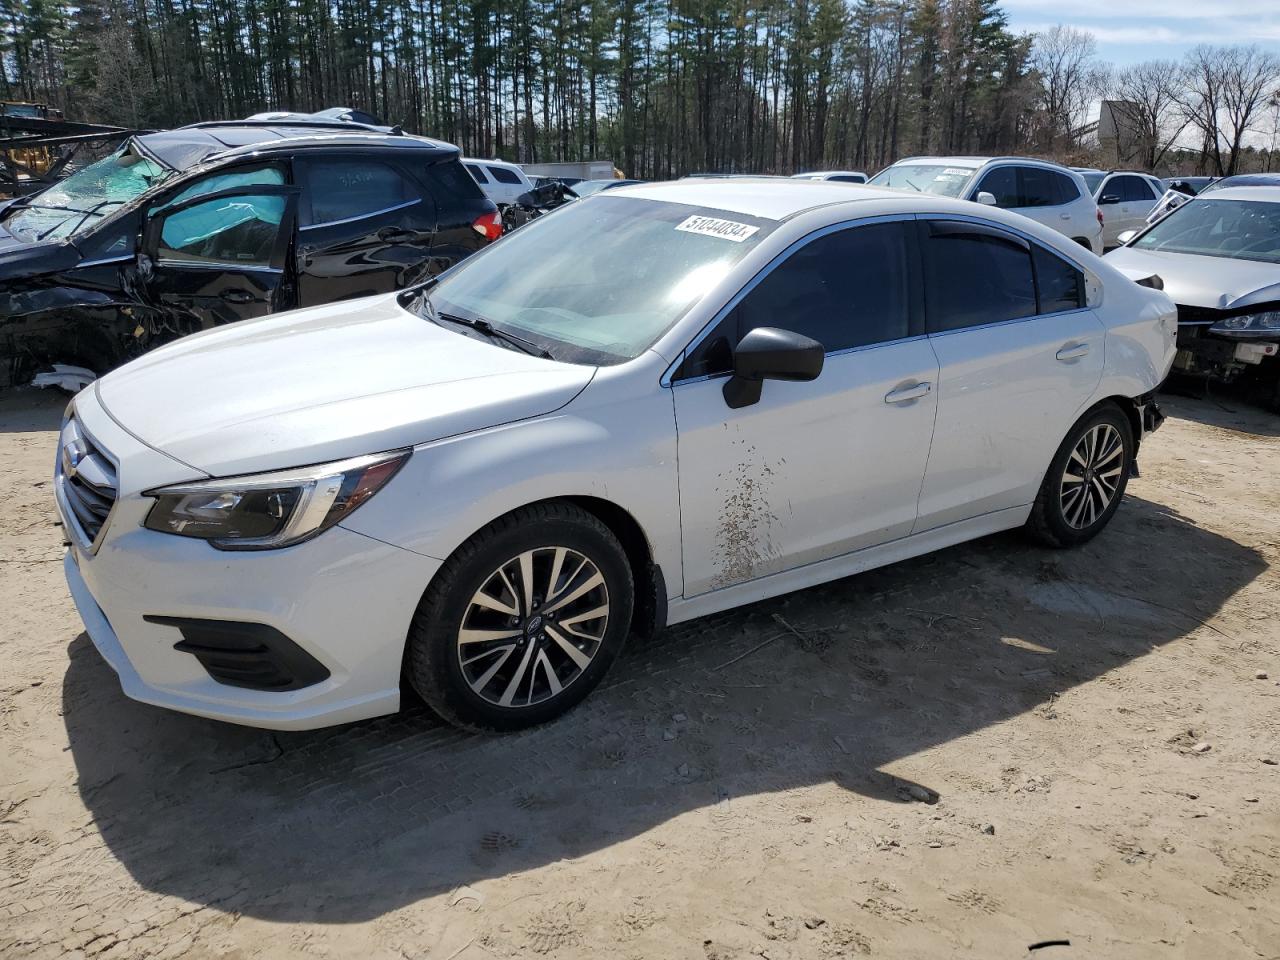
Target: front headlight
[
  {"x": 1265, "y": 322},
  {"x": 270, "y": 510}
]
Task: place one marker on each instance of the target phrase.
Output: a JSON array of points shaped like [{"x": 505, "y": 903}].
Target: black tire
[
  {"x": 1059, "y": 518},
  {"x": 434, "y": 660}
]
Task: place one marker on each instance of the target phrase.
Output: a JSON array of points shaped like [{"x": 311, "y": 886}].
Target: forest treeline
[{"x": 661, "y": 87}]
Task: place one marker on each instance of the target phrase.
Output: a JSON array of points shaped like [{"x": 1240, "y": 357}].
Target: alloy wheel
[
  {"x": 533, "y": 627},
  {"x": 1092, "y": 476}
]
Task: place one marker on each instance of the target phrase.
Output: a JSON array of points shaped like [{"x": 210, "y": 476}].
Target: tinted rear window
[
  {"x": 449, "y": 180},
  {"x": 974, "y": 278},
  {"x": 503, "y": 175},
  {"x": 1060, "y": 284},
  {"x": 335, "y": 190}
]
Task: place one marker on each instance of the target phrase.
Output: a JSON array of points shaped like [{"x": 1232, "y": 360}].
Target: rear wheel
[
  {"x": 523, "y": 620},
  {"x": 1086, "y": 479}
]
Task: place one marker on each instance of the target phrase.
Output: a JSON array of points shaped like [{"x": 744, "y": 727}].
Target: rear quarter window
[
  {"x": 449, "y": 181},
  {"x": 503, "y": 175}
]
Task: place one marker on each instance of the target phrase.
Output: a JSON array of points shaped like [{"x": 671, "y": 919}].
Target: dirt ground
[{"x": 1089, "y": 724}]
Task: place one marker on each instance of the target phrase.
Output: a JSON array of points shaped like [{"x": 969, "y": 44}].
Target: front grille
[
  {"x": 1199, "y": 314},
  {"x": 87, "y": 478}
]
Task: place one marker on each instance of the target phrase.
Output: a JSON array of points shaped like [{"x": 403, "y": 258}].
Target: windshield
[
  {"x": 1093, "y": 179},
  {"x": 600, "y": 280},
  {"x": 1235, "y": 229},
  {"x": 944, "y": 180},
  {"x": 76, "y": 203}
]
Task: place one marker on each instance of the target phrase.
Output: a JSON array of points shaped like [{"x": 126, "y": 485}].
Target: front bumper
[{"x": 343, "y": 599}]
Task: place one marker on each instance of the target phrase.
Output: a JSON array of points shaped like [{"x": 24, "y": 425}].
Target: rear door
[
  {"x": 219, "y": 257},
  {"x": 366, "y": 226},
  {"x": 1019, "y": 355}
]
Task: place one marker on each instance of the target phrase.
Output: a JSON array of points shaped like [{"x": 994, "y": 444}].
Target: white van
[{"x": 502, "y": 182}]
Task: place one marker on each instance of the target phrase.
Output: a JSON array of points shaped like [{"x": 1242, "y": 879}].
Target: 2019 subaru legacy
[{"x": 660, "y": 402}]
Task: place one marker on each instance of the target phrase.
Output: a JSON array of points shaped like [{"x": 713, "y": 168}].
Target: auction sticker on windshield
[{"x": 713, "y": 227}]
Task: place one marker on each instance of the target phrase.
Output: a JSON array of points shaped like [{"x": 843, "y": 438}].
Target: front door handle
[
  {"x": 1073, "y": 351},
  {"x": 906, "y": 394},
  {"x": 237, "y": 296}
]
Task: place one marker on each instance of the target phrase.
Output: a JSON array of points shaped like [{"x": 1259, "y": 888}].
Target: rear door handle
[
  {"x": 237, "y": 296},
  {"x": 1073, "y": 351},
  {"x": 907, "y": 394},
  {"x": 397, "y": 235},
  {"x": 1064, "y": 216}
]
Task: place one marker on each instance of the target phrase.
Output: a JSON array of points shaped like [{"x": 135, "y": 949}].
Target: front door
[
  {"x": 812, "y": 470},
  {"x": 365, "y": 228},
  {"x": 1020, "y": 354},
  {"x": 219, "y": 257}
]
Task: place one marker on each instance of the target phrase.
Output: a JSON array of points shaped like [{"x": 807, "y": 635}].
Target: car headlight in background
[
  {"x": 270, "y": 510},
  {"x": 1263, "y": 324}
]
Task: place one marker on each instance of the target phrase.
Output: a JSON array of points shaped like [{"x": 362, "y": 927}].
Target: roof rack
[{"x": 300, "y": 121}]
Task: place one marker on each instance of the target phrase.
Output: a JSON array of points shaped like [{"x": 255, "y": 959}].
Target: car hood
[
  {"x": 326, "y": 383},
  {"x": 1217, "y": 283}
]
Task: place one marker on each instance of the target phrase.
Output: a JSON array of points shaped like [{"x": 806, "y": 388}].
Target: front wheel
[
  {"x": 523, "y": 620},
  {"x": 1085, "y": 481}
]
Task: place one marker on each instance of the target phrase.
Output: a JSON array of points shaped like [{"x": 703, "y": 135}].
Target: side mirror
[
  {"x": 986, "y": 198},
  {"x": 1109, "y": 198},
  {"x": 1125, "y": 237},
  {"x": 767, "y": 353}
]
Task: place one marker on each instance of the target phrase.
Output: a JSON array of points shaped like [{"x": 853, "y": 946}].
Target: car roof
[
  {"x": 772, "y": 199},
  {"x": 185, "y": 147},
  {"x": 1250, "y": 180},
  {"x": 494, "y": 162},
  {"x": 977, "y": 162}
]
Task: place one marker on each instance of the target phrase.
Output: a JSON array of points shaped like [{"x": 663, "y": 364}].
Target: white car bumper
[{"x": 335, "y": 612}]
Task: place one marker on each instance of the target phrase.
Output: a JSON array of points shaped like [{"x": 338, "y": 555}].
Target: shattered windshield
[{"x": 78, "y": 202}]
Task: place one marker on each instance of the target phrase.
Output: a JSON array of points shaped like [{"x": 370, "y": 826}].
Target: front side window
[
  {"x": 239, "y": 231},
  {"x": 77, "y": 203},
  {"x": 503, "y": 175},
  {"x": 1232, "y": 229},
  {"x": 1134, "y": 189},
  {"x": 941, "y": 179},
  {"x": 845, "y": 289},
  {"x": 270, "y": 175},
  {"x": 336, "y": 190},
  {"x": 974, "y": 275},
  {"x": 600, "y": 280},
  {"x": 1002, "y": 183}
]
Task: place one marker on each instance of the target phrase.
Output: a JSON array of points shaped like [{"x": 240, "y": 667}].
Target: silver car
[{"x": 1218, "y": 257}]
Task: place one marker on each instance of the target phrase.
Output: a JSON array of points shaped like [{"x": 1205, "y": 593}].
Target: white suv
[
  {"x": 1046, "y": 192},
  {"x": 1125, "y": 198},
  {"x": 501, "y": 182}
]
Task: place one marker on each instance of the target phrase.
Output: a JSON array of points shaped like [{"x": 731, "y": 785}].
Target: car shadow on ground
[
  {"x": 1224, "y": 410},
  {"x": 831, "y": 684}
]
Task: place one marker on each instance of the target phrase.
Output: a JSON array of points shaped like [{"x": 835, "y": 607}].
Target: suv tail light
[
  {"x": 488, "y": 225},
  {"x": 1101, "y": 222}
]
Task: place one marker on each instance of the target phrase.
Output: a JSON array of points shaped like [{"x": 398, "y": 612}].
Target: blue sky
[{"x": 1132, "y": 30}]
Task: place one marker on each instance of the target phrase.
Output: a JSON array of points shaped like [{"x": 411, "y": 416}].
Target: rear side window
[
  {"x": 845, "y": 289},
  {"x": 334, "y": 190},
  {"x": 449, "y": 181},
  {"x": 1039, "y": 187},
  {"x": 974, "y": 275},
  {"x": 476, "y": 172},
  {"x": 1060, "y": 284},
  {"x": 1067, "y": 189},
  {"x": 848, "y": 178},
  {"x": 502, "y": 175}
]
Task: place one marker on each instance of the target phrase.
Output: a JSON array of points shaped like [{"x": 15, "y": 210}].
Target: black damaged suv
[{"x": 185, "y": 229}]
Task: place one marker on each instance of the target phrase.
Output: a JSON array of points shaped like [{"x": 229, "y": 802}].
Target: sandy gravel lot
[{"x": 718, "y": 799}]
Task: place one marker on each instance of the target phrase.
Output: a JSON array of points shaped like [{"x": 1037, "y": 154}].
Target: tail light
[
  {"x": 1101, "y": 222},
  {"x": 488, "y": 225}
]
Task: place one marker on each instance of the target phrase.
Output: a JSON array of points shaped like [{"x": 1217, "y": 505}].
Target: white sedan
[{"x": 658, "y": 403}]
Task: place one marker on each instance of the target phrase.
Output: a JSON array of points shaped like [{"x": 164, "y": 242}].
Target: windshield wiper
[{"x": 483, "y": 326}]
